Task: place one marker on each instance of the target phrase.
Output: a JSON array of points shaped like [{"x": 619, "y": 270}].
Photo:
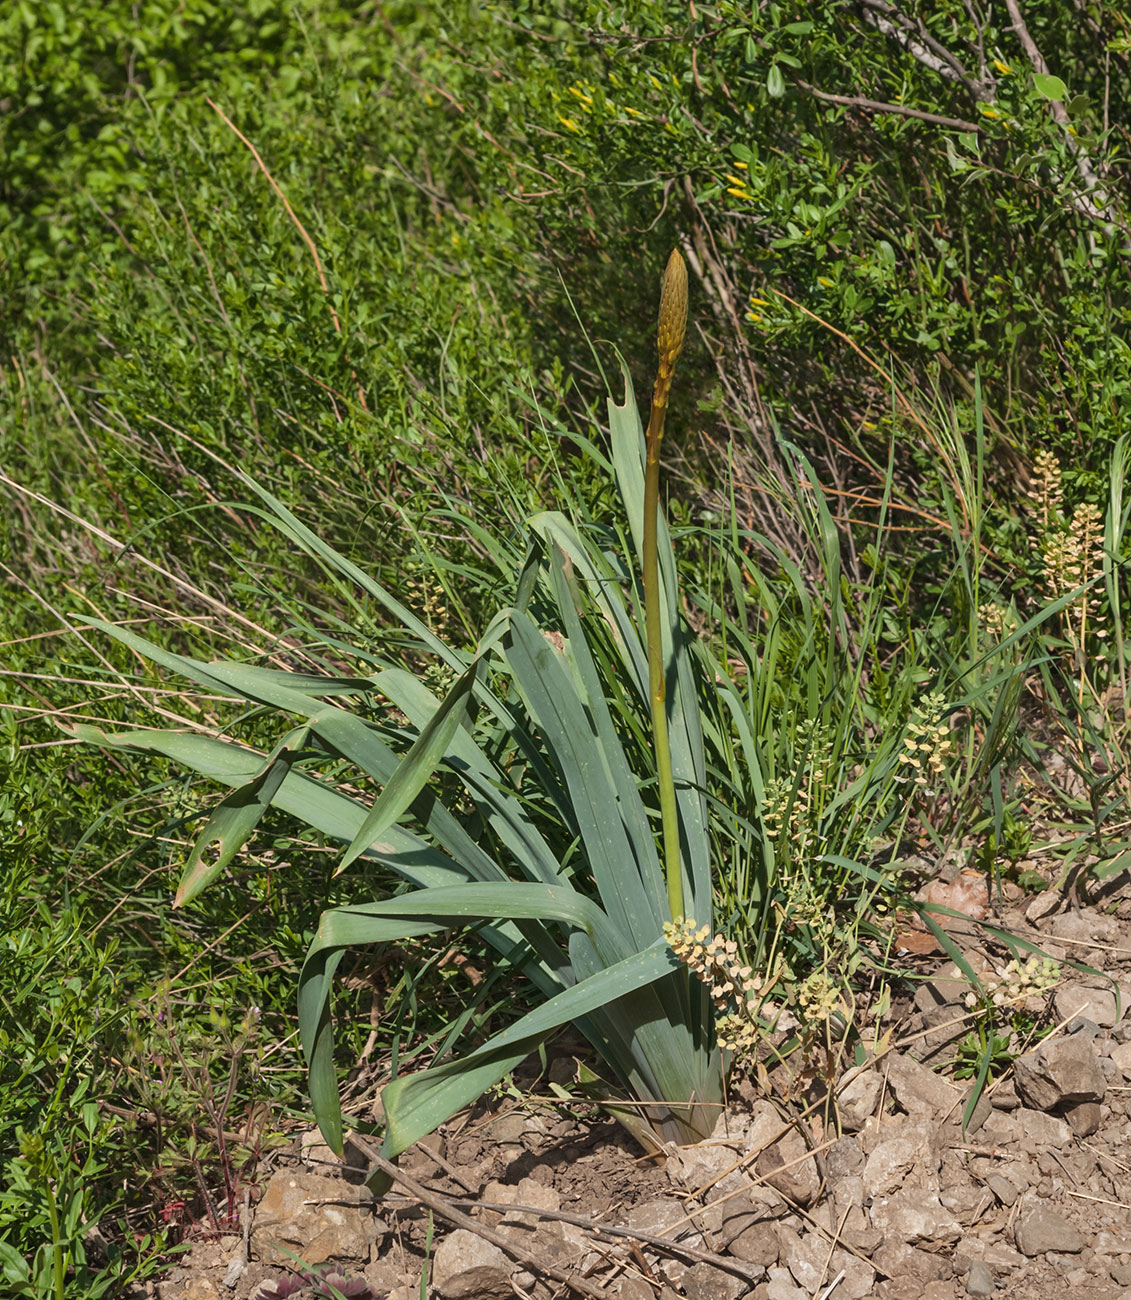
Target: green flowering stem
[
  {"x": 672, "y": 328},
  {"x": 41, "y": 1168}
]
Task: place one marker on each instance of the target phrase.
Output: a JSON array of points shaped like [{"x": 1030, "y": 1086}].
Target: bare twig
[
  {"x": 735, "y": 1266},
  {"x": 899, "y": 110},
  {"x": 922, "y": 46}
]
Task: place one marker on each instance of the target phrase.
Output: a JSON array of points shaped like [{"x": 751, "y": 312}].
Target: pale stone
[
  {"x": 1040, "y": 1230},
  {"x": 314, "y": 1218},
  {"x": 465, "y": 1266}
]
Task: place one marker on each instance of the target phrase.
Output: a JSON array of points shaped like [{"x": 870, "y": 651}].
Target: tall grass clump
[{"x": 870, "y": 726}]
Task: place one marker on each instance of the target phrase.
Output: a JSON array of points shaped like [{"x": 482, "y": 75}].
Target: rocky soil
[{"x": 875, "y": 1191}]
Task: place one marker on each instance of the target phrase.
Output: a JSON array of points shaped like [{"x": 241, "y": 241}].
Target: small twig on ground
[{"x": 735, "y": 1266}]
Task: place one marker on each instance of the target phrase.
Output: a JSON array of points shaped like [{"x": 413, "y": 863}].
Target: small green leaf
[
  {"x": 1049, "y": 86},
  {"x": 775, "y": 83},
  {"x": 1113, "y": 866}
]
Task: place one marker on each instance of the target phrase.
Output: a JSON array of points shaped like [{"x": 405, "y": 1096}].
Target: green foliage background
[{"x": 867, "y": 194}]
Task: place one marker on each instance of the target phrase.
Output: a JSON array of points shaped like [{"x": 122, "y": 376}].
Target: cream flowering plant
[{"x": 554, "y": 799}]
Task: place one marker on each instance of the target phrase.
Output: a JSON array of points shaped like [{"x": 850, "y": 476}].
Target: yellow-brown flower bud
[{"x": 673, "y": 325}]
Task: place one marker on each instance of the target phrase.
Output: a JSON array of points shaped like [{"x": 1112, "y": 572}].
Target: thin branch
[
  {"x": 919, "y": 43},
  {"x": 899, "y": 110},
  {"x": 285, "y": 202},
  {"x": 434, "y": 1201}
]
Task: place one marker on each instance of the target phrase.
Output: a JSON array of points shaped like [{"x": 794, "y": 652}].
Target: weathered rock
[
  {"x": 1061, "y": 1072},
  {"x": 749, "y": 1229},
  {"x": 1113, "y": 1075},
  {"x": 916, "y": 1217},
  {"x": 812, "y": 1267},
  {"x": 843, "y": 1159},
  {"x": 1121, "y": 1055},
  {"x": 705, "y": 1282},
  {"x": 1084, "y": 1119},
  {"x": 1083, "y": 1027},
  {"x": 947, "y": 988},
  {"x": 194, "y": 1288},
  {"x": 657, "y": 1215},
  {"x": 466, "y": 1266},
  {"x": 1074, "y": 925},
  {"x": 705, "y": 1164},
  {"x": 1043, "y": 905},
  {"x": 1095, "y": 1002},
  {"x": 888, "y": 1165},
  {"x": 898, "y": 1260},
  {"x": 781, "y": 1286},
  {"x": 1003, "y": 1189},
  {"x": 1036, "y": 1129},
  {"x": 634, "y": 1287},
  {"x": 918, "y": 1089},
  {"x": 1001, "y": 1128},
  {"x": 752, "y": 1131},
  {"x": 1005, "y": 1096},
  {"x": 848, "y": 1191},
  {"x": 386, "y": 1274},
  {"x": 515, "y": 1126},
  {"x": 789, "y": 1168},
  {"x": 798, "y": 1258},
  {"x": 856, "y": 1231},
  {"x": 314, "y": 1153},
  {"x": 961, "y": 1197},
  {"x": 905, "y": 1288},
  {"x": 858, "y": 1099},
  {"x": 980, "y": 1279},
  {"x": 859, "y": 1278},
  {"x": 303, "y": 1215},
  {"x": 1039, "y": 1230},
  {"x": 998, "y": 1255}
]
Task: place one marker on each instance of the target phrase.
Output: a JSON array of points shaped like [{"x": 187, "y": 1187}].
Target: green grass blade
[
  {"x": 483, "y": 781},
  {"x": 423, "y": 912}
]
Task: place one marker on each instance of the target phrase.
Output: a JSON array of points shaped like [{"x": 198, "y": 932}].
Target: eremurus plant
[
  {"x": 542, "y": 735},
  {"x": 669, "y": 342}
]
